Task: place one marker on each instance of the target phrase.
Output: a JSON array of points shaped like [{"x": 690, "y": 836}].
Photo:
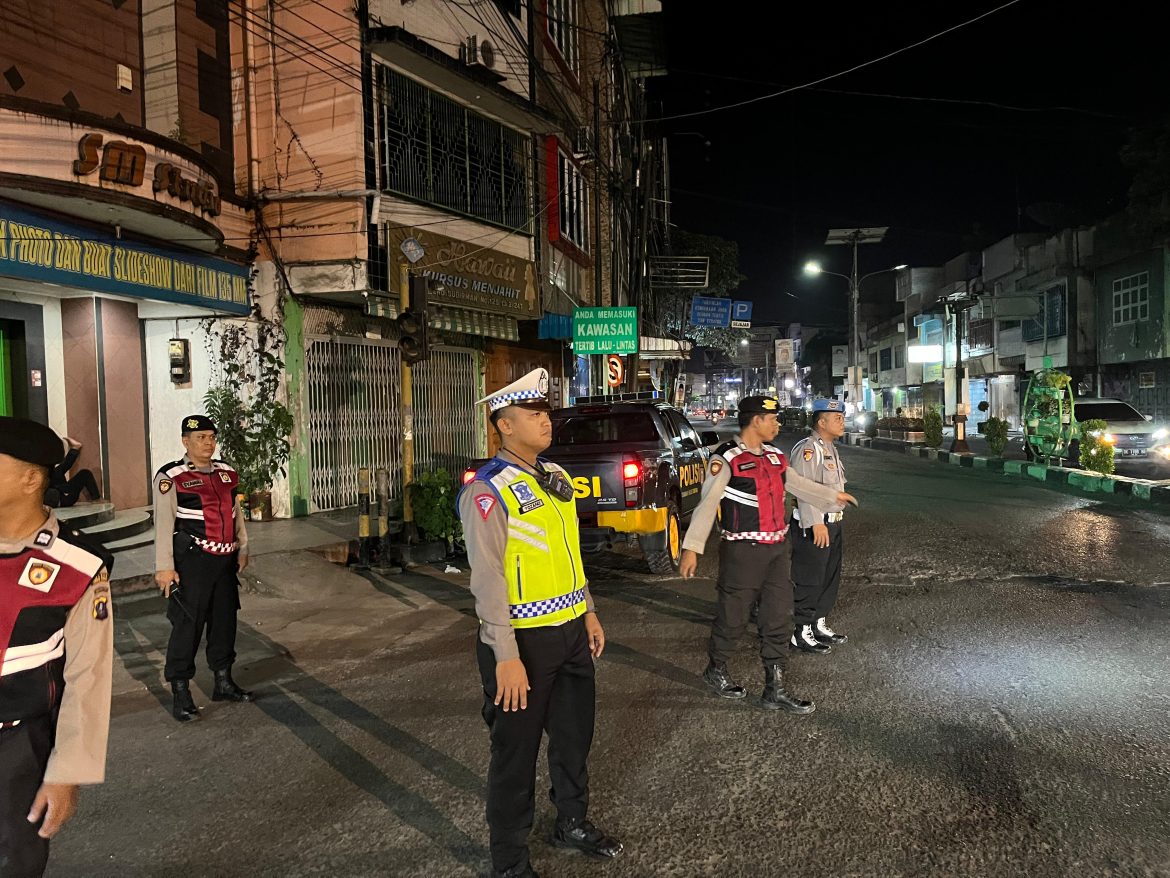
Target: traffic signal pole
[{"x": 407, "y": 412}]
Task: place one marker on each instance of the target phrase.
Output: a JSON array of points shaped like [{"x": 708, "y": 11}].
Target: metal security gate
[
  {"x": 355, "y": 391},
  {"x": 446, "y": 386},
  {"x": 355, "y": 395}
]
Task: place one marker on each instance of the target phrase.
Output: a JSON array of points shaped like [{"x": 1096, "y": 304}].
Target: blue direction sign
[
  {"x": 710, "y": 311},
  {"x": 741, "y": 315}
]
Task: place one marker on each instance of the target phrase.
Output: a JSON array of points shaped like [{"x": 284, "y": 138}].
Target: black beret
[
  {"x": 31, "y": 442},
  {"x": 759, "y": 405},
  {"x": 197, "y": 424}
]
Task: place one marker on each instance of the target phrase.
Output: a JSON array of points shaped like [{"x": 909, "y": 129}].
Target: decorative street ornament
[{"x": 1049, "y": 424}]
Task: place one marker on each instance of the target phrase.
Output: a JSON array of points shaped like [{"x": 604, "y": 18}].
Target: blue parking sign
[{"x": 741, "y": 315}]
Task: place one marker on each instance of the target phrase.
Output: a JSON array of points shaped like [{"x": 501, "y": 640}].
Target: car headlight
[
  {"x": 1160, "y": 433},
  {"x": 1109, "y": 438}
]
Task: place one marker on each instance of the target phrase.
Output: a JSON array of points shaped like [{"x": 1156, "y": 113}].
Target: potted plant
[
  {"x": 1096, "y": 454},
  {"x": 933, "y": 428},
  {"x": 254, "y": 439},
  {"x": 997, "y": 435},
  {"x": 432, "y": 499},
  {"x": 982, "y": 425}
]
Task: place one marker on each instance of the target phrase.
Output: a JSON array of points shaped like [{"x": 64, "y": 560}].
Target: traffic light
[{"x": 412, "y": 324}]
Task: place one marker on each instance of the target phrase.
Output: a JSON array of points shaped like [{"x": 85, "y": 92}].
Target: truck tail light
[{"x": 632, "y": 479}]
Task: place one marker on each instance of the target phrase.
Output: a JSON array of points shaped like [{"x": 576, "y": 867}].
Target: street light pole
[{"x": 855, "y": 335}]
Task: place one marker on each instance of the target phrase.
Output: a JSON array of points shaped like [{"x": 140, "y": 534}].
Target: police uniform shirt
[
  {"x": 47, "y": 563},
  {"x": 718, "y": 476},
  {"x": 166, "y": 509},
  {"x": 818, "y": 461},
  {"x": 486, "y": 536}
]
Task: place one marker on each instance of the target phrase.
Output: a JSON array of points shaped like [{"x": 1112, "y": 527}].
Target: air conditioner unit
[
  {"x": 584, "y": 146},
  {"x": 477, "y": 53}
]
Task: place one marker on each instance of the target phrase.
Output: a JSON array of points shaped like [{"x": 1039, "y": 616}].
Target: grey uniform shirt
[
  {"x": 818, "y": 461},
  {"x": 166, "y": 504},
  {"x": 486, "y": 539},
  {"x": 704, "y": 515}
]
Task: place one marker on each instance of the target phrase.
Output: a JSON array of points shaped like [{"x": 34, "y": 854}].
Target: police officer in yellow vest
[{"x": 538, "y": 632}]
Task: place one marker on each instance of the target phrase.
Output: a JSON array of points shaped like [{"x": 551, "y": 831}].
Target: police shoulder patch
[
  {"x": 101, "y": 607},
  {"x": 808, "y": 454},
  {"x": 164, "y": 485},
  {"x": 486, "y": 503},
  {"x": 716, "y": 465}
]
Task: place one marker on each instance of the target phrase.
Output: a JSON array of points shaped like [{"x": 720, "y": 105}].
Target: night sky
[{"x": 944, "y": 176}]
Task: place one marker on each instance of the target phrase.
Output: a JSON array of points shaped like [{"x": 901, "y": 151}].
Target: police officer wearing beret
[
  {"x": 538, "y": 632},
  {"x": 200, "y": 544},
  {"x": 56, "y": 654},
  {"x": 818, "y": 540},
  {"x": 745, "y": 484}
]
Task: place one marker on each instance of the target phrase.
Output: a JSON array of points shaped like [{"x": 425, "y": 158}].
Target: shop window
[
  {"x": 1053, "y": 316},
  {"x": 572, "y": 198},
  {"x": 886, "y": 356}
]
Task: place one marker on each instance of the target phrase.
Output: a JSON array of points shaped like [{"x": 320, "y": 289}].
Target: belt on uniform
[
  {"x": 830, "y": 517},
  {"x": 214, "y": 548}
]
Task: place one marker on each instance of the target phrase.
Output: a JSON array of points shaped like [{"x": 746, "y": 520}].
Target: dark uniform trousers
[
  {"x": 208, "y": 597},
  {"x": 751, "y": 572},
  {"x": 24, "y": 755},
  {"x": 560, "y": 702},
  {"x": 815, "y": 572}
]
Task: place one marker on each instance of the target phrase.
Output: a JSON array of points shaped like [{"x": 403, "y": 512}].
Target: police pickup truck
[{"x": 637, "y": 467}]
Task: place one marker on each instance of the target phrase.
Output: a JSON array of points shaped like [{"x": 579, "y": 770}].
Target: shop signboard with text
[{"x": 38, "y": 248}]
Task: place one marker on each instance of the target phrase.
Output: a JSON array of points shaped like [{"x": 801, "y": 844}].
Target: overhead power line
[{"x": 840, "y": 73}]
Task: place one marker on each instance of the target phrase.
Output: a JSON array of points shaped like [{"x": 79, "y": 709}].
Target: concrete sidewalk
[{"x": 134, "y": 568}]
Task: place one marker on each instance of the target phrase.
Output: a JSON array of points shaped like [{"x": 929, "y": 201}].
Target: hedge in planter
[
  {"x": 1096, "y": 453},
  {"x": 933, "y": 428},
  {"x": 996, "y": 431},
  {"x": 432, "y": 499}
]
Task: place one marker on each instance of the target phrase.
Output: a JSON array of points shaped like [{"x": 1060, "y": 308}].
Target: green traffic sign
[{"x": 605, "y": 330}]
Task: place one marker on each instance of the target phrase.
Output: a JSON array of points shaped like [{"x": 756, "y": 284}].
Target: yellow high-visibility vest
[{"x": 542, "y": 559}]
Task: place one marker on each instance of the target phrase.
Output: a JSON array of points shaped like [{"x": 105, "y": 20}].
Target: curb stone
[{"x": 1142, "y": 490}]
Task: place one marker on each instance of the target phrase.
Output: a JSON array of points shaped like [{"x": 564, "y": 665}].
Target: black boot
[
  {"x": 826, "y": 635},
  {"x": 806, "y": 641},
  {"x": 521, "y": 871},
  {"x": 573, "y": 832},
  {"x": 776, "y": 698},
  {"x": 227, "y": 690},
  {"x": 719, "y": 678},
  {"x": 184, "y": 709}
]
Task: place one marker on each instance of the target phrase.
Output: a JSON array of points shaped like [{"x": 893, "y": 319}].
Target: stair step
[
  {"x": 130, "y": 523},
  {"x": 132, "y": 542},
  {"x": 84, "y": 515}
]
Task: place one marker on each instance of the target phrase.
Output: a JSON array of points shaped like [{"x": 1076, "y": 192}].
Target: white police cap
[{"x": 530, "y": 391}]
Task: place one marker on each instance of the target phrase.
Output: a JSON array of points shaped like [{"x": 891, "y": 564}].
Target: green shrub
[
  {"x": 933, "y": 428},
  {"x": 1096, "y": 453},
  {"x": 996, "y": 432},
  {"x": 432, "y": 497}
]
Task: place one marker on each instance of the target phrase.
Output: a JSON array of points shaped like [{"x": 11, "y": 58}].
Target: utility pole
[{"x": 854, "y": 238}]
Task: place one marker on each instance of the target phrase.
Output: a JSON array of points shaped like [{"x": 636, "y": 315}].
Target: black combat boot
[
  {"x": 776, "y": 698},
  {"x": 806, "y": 641},
  {"x": 227, "y": 690},
  {"x": 573, "y": 832},
  {"x": 719, "y": 678},
  {"x": 824, "y": 634},
  {"x": 184, "y": 709}
]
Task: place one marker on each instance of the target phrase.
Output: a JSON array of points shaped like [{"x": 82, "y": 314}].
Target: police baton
[{"x": 175, "y": 597}]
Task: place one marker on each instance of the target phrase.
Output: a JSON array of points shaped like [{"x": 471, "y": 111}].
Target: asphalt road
[{"x": 1001, "y": 709}]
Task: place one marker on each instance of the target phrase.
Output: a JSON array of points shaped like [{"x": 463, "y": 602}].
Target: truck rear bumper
[{"x": 616, "y": 528}]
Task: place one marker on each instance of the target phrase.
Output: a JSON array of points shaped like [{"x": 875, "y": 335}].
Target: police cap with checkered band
[{"x": 531, "y": 391}]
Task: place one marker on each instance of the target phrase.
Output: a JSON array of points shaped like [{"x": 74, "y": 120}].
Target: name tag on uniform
[
  {"x": 191, "y": 483},
  {"x": 751, "y": 465}
]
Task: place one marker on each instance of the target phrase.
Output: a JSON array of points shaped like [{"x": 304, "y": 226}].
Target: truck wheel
[{"x": 666, "y": 560}]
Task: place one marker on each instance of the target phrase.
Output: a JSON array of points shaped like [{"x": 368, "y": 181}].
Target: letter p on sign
[{"x": 615, "y": 372}]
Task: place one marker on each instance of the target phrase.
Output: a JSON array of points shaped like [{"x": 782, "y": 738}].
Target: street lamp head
[
  {"x": 900, "y": 267},
  {"x": 812, "y": 268},
  {"x": 743, "y": 342}
]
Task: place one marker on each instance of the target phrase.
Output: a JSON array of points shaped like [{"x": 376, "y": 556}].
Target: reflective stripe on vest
[{"x": 542, "y": 558}]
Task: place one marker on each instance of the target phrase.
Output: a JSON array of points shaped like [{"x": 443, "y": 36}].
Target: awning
[
  {"x": 452, "y": 319},
  {"x": 650, "y": 348}
]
